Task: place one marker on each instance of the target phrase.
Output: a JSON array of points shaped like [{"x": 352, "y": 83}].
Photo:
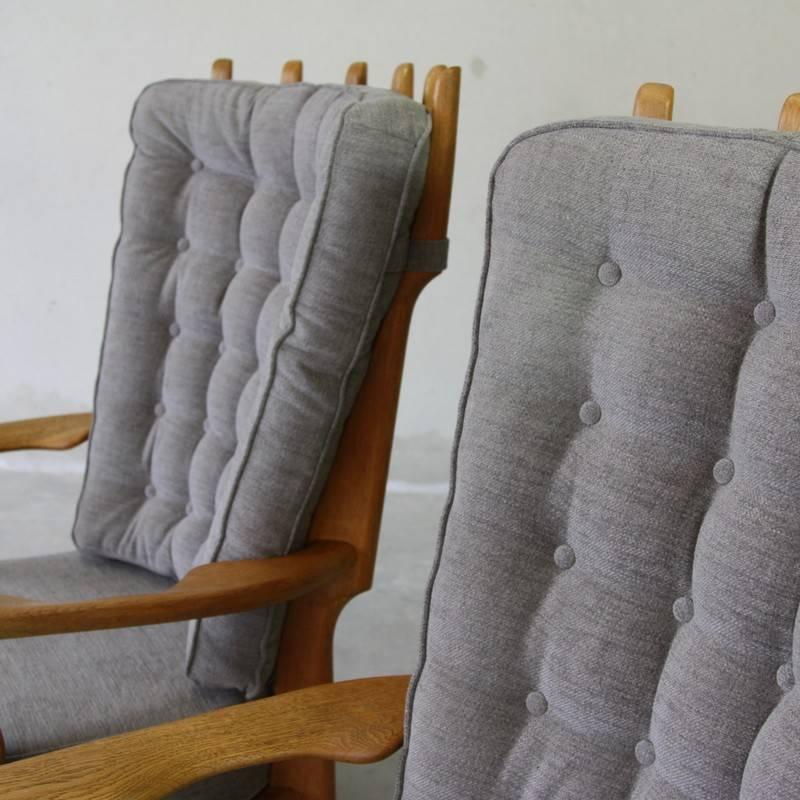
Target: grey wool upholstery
[
  {"x": 264, "y": 231},
  {"x": 57, "y": 691},
  {"x": 613, "y": 608}
]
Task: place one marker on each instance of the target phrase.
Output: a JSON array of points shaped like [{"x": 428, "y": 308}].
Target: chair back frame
[{"x": 351, "y": 505}]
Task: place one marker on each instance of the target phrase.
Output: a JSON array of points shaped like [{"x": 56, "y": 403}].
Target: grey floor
[{"x": 378, "y": 633}]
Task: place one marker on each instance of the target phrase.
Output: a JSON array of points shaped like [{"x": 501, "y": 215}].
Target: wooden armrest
[
  {"x": 45, "y": 433},
  {"x": 354, "y": 721},
  {"x": 225, "y": 587}
]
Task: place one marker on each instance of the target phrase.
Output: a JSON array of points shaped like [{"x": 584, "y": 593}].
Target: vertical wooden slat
[
  {"x": 403, "y": 80},
  {"x": 292, "y": 72},
  {"x": 430, "y": 81},
  {"x": 356, "y": 74},
  {"x": 654, "y": 100},
  {"x": 442, "y": 101},
  {"x": 222, "y": 69},
  {"x": 351, "y": 504},
  {"x": 789, "y": 119}
]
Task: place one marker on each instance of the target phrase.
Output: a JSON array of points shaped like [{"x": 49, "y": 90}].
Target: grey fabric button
[
  {"x": 159, "y": 409},
  {"x": 564, "y": 556},
  {"x": 174, "y": 329},
  {"x": 189, "y": 509},
  {"x": 609, "y": 273},
  {"x": 724, "y": 471},
  {"x": 764, "y": 313},
  {"x": 183, "y": 245},
  {"x": 536, "y": 703},
  {"x": 590, "y": 413},
  {"x": 197, "y": 165},
  {"x": 785, "y": 677},
  {"x": 645, "y": 752},
  {"x": 150, "y": 491},
  {"x": 238, "y": 265},
  {"x": 683, "y": 609}
]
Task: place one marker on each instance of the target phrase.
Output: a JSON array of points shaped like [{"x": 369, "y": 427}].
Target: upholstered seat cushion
[
  {"x": 613, "y": 610},
  {"x": 60, "y": 690},
  {"x": 264, "y": 232},
  {"x": 56, "y": 691}
]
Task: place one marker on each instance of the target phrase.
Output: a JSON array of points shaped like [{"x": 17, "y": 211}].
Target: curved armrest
[
  {"x": 354, "y": 721},
  {"x": 224, "y": 587},
  {"x": 45, "y": 433}
]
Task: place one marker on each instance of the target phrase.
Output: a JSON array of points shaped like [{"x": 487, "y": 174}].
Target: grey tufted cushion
[
  {"x": 264, "y": 230},
  {"x": 613, "y": 608}
]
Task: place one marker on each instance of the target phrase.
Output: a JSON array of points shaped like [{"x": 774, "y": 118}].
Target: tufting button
[
  {"x": 564, "y": 556},
  {"x": 189, "y": 509},
  {"x": 183, "y": 245},
  {"x": 174, "y": 329},
  {"x": 785, "y": 676},
  {"x": 150, "y": 491},
  {"x": 159, "y": 409},
  {"x": 197, "y": 165},
  {"x": 221, "y": 348},
  {"x": 609, "y": 273},
  {"x": 764, "y": 313},
  {"x": 683, "y": 609},
  {"x": 724, "y": 471},
  {"x": 238, "y": 265},
  {"x": 590, "y": 413},
  {"x": 645, "y": 752},
  {"x": 536, "y": 704}
]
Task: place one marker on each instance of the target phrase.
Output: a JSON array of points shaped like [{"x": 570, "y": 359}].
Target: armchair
[
  {"x": 613, "y": 607},
  {"x": 91, "y": 642}
]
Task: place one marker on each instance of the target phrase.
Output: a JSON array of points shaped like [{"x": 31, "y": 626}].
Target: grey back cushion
[
  {"x": 264, "y": 231},
  {"x": 613, "y": 607}
]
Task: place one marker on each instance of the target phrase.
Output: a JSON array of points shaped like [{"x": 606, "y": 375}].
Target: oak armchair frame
[{"x": 339, "y": 559}]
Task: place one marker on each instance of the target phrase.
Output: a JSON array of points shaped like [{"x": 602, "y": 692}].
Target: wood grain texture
[
  {"x": 280, "y": 794},
  {"x": 351, "y": 504},
  {"x": 292, "y": 72},
  {"x": 430, "y": 81},
  {"x": 354, "y": 721},
  {"x": 789, "y": 119},
  {"x": 654, "y": 100},
  {"x": 210, "y": 590},
  {"x": 403, "y": 79},
  {"x": 356, "y": 74},
  {"x": 45, "y": 433},
  {"x": 222, "y": 69},
  {"x": 443, "y": 89}
]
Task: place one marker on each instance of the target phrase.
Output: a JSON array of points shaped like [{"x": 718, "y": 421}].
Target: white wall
[{"x": 70, "y": 70}]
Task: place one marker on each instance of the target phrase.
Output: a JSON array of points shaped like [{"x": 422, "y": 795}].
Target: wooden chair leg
[
  {"x": 403, "y": 80},
  {"x": 356, "y": 74},
  {"x": 222, "y": 69},
  {"x": 654, "y": 100},
  {"x": 292, "y": 72},
  {"x": 789, "y": 119}
]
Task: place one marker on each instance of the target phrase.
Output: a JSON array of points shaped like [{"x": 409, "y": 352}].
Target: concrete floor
[{"x": 378, "y": 633}]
